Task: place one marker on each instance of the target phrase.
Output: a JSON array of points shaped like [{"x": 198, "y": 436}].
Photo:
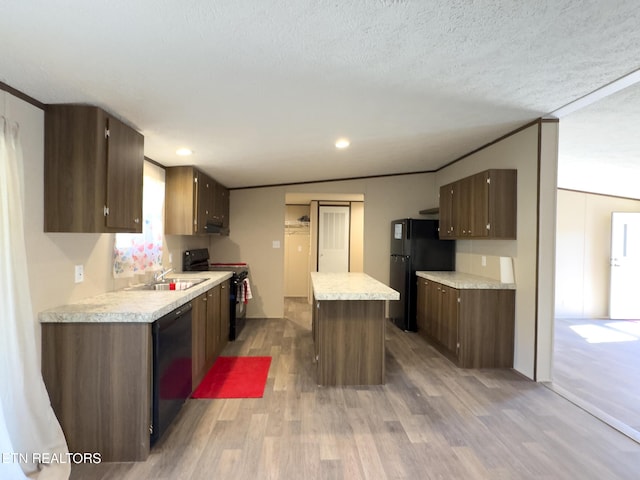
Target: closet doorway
[{"x": 297, "y": 248}]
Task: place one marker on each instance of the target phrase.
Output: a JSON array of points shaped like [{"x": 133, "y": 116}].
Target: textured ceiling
[
  {"x": 599, "y": 147},
  {"x": 261, "y": 89}
]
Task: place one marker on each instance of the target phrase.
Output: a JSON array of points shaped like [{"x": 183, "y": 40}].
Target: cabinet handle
[{"x": 136, "y": 220}]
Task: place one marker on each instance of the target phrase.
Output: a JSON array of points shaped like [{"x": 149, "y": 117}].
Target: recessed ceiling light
[
  {"x": 184, "y": 152},
  {"x": 342, "y": 143}
]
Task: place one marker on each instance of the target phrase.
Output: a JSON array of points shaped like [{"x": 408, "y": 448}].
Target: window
[{"x": 137, "y": 253}]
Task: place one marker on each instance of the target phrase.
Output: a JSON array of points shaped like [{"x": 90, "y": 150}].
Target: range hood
[{"x": 216, "y": 228}]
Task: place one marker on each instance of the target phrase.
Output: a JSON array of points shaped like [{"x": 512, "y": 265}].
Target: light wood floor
[
  {"x": 430, "y": 421},
  {"x": 604, "y": 373}
]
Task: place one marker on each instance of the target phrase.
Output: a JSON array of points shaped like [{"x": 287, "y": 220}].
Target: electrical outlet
[
  {"x": 484, "y": 261},
  {"x": 276, "y": 244},
  {"x": 79, "y": 274}
]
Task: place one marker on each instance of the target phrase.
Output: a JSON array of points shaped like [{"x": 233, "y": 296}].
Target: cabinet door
[
  {"x": 214, "y": 313},
  {"x": 446, "y": 211},
  {"x": 74, "y": 169},
  {"x": 180, "y": 193},
  {"x": 435, "y": 299},
  {"x": 432, "y": 309},
  {"x": 125, "y": 164},
  {"x": 221, "y": 205},
  {"x": 421, "y": 306},
  {"x": 464, "y": 207},
  {"x": 225, "y": 314},
  {"x": 501, "y": 207},
  {"x": 479, "y": 205},
  {"x": 199, "y": 335},
  {"x": 204, "y": 201},
  {"x": 486, "y": 328},
  {"x": 450, "y": 318}
]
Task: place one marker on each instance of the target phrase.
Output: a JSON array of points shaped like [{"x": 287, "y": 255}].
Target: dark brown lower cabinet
[
  {"x": 210, "y": 329},
  {"x": 99, "y": 381},
  {"x": 199, "y": 338},
  {"x": 473, "y": 327},
  {"x": 99, "y": 376}
]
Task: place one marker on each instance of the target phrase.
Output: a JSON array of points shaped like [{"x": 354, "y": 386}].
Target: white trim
[{"x": 602, "y": 92}]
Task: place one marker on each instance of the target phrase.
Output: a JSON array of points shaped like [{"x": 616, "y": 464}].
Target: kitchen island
[{"x": 348, "y": 323}]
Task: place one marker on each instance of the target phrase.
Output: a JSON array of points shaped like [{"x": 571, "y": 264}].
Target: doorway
[
  {"x": 333, "y": 238},
  {"x": 624, "y": 302},
  {"x": 297, "y": 249}
]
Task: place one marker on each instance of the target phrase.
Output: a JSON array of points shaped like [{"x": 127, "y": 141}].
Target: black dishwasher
[{"x": 171, "y": 384}]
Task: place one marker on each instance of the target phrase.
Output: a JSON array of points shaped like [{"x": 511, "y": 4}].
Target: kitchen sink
[{"x": 181, "y": 283}]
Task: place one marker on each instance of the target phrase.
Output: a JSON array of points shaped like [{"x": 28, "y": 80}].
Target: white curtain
[{"x": 31, "y": 440}]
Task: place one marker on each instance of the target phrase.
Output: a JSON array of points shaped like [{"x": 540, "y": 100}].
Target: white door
[
  {"x": 333, "y": 239},
  {"x": 624, "y": 297}
]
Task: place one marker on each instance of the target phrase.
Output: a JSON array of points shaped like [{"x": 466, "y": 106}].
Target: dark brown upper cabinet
[
  {"x": 483, "y": 205},
  {"x": 93, "y": 171},
  {"x": 195, "y": 203}
]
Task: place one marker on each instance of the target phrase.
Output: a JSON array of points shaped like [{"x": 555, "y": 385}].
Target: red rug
[{"x": 235, "y": 377}]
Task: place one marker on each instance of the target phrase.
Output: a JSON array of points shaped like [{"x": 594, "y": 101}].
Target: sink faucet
[{"x": 160, "y": 276}]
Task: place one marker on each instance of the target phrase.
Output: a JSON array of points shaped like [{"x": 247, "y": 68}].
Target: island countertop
[
  {"x": 463, "y": 281},
  {"x": 350, "y": 286},
  {"x": 132, "y": 306}
]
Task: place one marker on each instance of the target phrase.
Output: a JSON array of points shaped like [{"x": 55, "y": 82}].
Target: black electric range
[{"x": 197, "y": 260}]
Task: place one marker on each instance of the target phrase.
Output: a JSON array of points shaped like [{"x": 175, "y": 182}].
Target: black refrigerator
[{"x": 415, "y": 246}]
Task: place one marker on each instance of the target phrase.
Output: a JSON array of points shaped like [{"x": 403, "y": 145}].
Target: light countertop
[
  {"x": 132, "y": 306},
  {"x": 350, "y": 286},
  {"x": 467, "y": 281}
]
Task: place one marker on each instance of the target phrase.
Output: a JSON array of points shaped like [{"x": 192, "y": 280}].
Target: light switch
[
  {"x": 484, "y": 261},
  {"x": 276, "y": 244},
  {"x": 79, "y": 274}
]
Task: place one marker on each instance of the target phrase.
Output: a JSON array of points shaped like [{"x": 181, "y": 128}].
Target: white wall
[
  {"x": 583, "y": 252},
  {"x": 547, "y": 200},
  {"x": 256, "y": 224}
]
